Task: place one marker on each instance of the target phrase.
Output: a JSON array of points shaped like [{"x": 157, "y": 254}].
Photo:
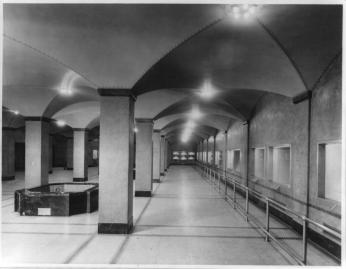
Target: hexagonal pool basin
[{"x": 57, "y": 199}]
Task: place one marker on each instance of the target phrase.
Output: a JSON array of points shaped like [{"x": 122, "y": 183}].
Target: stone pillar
[
  {"x": 156, "y": 156},
  {"x": 202, "y": 149},
  {"x": 116, "y": 161},
  {"x": 162, "y": 155},
  {"x": 36, "y": 151},
  {"x": 214, "y": 151},
  {"x": 166, "y": 155},
  {"x": 80, "y": 155},
  {"x": 224, "y": 153},
  {"x": 50, "y": 169},
  {"x": 144, "y": 158},
  {"x": 69, "y": 153},
  {"x": 8, "y": 154},
  {"x": 245, "y": 172},
  {"x": 207, "y": 153}
]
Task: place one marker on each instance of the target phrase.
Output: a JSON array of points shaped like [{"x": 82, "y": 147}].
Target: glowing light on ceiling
[
  {"x": 186, "y": 135},
  {"x": 195, "y": 113},
  {"x": 66, "y": 86},
  {"x": 244, "y": 11},
  {"x": 207, "y": 90},
  {"x": 190, "y": 124},
  {"x": 15, "y": 112},
  {"x": 135, "y": 130},
  {"x": 60, "y": 123}
]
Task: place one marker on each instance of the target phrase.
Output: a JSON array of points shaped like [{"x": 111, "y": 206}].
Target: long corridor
[{"x": 186, "y": 221}]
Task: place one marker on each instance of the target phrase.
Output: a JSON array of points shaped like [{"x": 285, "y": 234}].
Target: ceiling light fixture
[
  {"x": 190, "y": 124},
  {"x": 15, "y": 112},
  {"x": 207, "y": 91},
  {"x": 135, "y": 130},
  {"x": 195, "y": 113},
  {"x": 60, "y": 123}
]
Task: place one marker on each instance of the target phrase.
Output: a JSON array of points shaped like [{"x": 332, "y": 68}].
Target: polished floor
[{"x": 186, "y": 221}]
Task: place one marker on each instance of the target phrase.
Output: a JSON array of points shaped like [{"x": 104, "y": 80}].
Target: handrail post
[
  {"x": 247, "y": 204},
  {"x": 218, "y": 176},
  {"x": 267, "y": 219},
  {"x": 234, "y": 195},
  {"x": 305, "y": 241}
]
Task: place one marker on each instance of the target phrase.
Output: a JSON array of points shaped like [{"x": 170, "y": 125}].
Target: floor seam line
[
  {"x": 123, "y": 245},
  {"x": 81, "y": 247}
]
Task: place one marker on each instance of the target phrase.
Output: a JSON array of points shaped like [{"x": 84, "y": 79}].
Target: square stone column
[
  {"x": 50, "y": 167},
  {"x": 162, "y": 155},
  {"x": 36, "y": 151},
  {"x": 8, "y": 154},
  {"x": 224, "y": 153},
  {"x": 207, "y": 153},
  {"x": 144, "y": 158},
  {"x": 69, "y": 153},
  {"x": 156, "y": 156},
  {"x": 80, "y": 155},
  {"x": 116, "y": 161},
  {"x": 214, "y": 152},
  {"x": 166, "y": 155},
  {"x": 245, "y": 150}
]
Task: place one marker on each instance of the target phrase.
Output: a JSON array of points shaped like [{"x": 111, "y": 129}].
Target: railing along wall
[{"x": 216, "y": 175}]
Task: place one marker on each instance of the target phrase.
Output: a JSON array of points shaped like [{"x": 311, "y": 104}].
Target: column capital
[
  {"x": 144, "y": 120},
  {"x": 116, "y": 92},
  {"x": 38, "y": 119}
]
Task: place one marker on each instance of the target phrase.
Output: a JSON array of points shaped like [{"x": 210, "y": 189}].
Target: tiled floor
[{"x": 185, "y": 222}]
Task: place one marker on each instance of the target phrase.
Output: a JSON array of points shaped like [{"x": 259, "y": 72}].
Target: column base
[
  {"x": 156, "y": 180},
  {"x": 80, "y": 179},
  {"x": 115, "y": 228},
  {"x": 143, "y": 193},
  {"x": 7, "y": 178}
]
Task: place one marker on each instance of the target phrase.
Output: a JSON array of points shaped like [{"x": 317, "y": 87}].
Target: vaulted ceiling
[{"x": 163, "y": 53}]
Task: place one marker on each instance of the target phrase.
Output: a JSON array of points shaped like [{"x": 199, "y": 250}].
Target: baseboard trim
[
  {"x": 7, "y": 178},
  {"x": 80, "y": 179},
  {"x": 115, "y": 228},
  {"x": 143, "y": 193}
]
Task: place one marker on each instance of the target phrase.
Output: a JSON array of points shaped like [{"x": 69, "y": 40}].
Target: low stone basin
[{"x": 57, "y": 199}]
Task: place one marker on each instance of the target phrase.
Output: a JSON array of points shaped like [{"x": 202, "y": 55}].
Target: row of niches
[
  {"x": 274, "y": 164},
  {"x": 183, "y": 155}
]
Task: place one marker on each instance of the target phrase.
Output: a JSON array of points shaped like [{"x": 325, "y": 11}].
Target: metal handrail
[{"x": 208, "y": 170}]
